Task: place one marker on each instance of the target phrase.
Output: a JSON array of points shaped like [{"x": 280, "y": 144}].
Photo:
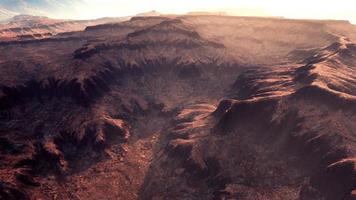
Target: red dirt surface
[{"x": 181, "y": 107}]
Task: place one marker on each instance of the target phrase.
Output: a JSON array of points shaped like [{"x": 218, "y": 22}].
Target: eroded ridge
[{"x": 163, "y": 108}]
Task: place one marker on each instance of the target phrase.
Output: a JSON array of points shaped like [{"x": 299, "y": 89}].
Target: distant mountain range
[
  {"x": 24, "y": 27},
  {"x": 149, "y": 13},
  {"x": 10, "y": 8}
]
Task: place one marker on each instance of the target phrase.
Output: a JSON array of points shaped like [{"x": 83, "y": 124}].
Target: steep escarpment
[
  {"x": 174, "y": 108},
  {"x": 282, "y": 136},
  {"x": 84, "y": 119},
  {"x": 169, "y": 40},
  {"x": 133, "y": 23},
  {"x": 82, "y": 92}
]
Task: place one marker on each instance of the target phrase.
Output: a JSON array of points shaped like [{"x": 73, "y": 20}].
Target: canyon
[{"x": 180, "y": 107}]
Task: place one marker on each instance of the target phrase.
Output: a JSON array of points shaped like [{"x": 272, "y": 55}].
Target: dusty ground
[{"x": 181, "y": 107}]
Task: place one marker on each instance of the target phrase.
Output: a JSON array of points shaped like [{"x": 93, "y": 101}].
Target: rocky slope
[{"x": 181, "y": 107}]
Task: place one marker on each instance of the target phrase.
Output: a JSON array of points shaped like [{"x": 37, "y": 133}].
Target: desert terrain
[{"x": 178, "y": 107}]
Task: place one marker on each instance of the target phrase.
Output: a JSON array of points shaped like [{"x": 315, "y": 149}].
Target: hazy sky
[{"x": 82, "y": 9}]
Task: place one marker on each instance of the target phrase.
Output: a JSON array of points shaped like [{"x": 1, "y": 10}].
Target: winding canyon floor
[{"x": 181, "y": 107}]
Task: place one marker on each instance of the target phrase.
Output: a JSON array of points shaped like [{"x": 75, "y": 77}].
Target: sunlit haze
[{"x": 85, "y": 9}]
